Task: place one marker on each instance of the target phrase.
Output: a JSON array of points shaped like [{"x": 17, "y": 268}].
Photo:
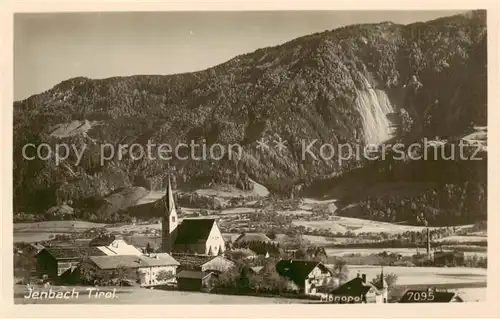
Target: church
[{"x": 199, "y": 236}]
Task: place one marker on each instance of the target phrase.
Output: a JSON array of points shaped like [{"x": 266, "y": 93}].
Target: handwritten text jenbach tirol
[{"x": 70, "y": 294}]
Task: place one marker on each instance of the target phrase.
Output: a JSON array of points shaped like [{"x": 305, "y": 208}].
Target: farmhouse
[
  {"x": 193, "y": 280},
  {"x": 215, "y": 264},
  {"x": 54, "y": 261},
  {"x": 309, "y": 276},
  {"x": 152, "y": 270},
  {"x": 358, "y": 290},
  {"x": 193, "y": 236}
]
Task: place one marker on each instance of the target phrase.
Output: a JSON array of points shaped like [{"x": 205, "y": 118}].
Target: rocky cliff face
[{"x": 357, "y": 84}]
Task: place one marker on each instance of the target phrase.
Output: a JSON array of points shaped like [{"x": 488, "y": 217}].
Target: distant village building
[
  {"x": 28, "y": 248},
  {"x": 252, "y": 237},
  {"x": 194, "y": 236},
  {"x": 241, "y": 253},
  {"x": 52, "y": 262},
  {"x": 308, "y": 275}
]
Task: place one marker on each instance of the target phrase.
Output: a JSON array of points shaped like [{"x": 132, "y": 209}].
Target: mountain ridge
[{"x": 308, "y": 88}]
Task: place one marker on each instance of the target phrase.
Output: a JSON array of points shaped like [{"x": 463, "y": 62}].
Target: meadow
[{"x": 142, "y": 296}]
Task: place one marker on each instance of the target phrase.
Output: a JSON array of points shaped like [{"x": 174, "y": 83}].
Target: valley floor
[
  {"x": 142, "y": 296},
  {"x": 470, "y": 283}
]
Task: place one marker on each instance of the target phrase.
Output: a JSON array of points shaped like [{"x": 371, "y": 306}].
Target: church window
[{"x": 173, "y": 219}]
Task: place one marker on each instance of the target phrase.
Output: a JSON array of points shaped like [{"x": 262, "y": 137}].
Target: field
[
  {"x": 368, "y": 251},
  {"x": 33, "y": 232},
  {"x": 142, "y": 296},
  {"x": 357, "y": 225}
]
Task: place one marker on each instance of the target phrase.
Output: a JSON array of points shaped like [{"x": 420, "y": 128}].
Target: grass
[
  {"x": 142, "y": 296},
  {"x": 57, "y": 226},
  {"x": 41, "y": 231}
]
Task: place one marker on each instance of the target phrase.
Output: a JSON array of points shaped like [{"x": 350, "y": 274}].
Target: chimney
[{"x": 363, "y": 278}]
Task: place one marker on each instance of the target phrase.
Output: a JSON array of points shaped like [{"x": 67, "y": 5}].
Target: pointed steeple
[
  {"x": 169, "y": 223},
  {"x": 382, "y": 283},
  {"x": 169, "y": 198}
]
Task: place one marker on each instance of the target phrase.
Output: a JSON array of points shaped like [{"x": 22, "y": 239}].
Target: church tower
[{"x": 169, "y": 222}]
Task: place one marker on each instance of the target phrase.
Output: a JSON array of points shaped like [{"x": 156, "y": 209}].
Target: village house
[
  {"x": 196, "y": 272},
  {"x": 361, "y": 291},
  {"x": 28, "y": 249},
  {"x": 192, "y": 280},
  {"x": 52, "y": 262},
  {"x": 308, "y": 275},
  {"x": 151, "y": 270},
  {"x": 203, "y": 263},
  {"x": 112, "y": 245},
  {"x": 193, "y": 236}
]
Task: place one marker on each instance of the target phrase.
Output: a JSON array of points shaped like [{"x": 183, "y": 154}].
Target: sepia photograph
[{"x": 250, "y": 157}]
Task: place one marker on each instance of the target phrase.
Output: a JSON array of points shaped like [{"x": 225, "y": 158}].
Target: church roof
[{"x": 193, "y": 231}]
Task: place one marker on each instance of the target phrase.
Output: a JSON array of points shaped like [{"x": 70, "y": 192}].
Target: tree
[
  {"x": 340, "y": 270},
  {"x": 149, "y": 249},
  {"x": 120, "y": 274},
  {"x": 164, "y": 275},
  {"x": 390, "y": 279},
  {"x": 271, "y": 235}
]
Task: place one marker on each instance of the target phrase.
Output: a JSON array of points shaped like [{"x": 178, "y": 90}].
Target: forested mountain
[{"x": 369, "y": 83}]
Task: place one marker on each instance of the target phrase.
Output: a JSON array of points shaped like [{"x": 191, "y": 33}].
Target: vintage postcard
[{"x": 252, "y": 157}]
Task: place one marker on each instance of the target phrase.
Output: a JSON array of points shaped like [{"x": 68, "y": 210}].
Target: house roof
[
  {"x": 192, "y": 260},
  {"x": 249, "y": 237},
  {"x": 193, "y": 231},
  {"x": 192, "y": 274},
  {"x": 113, "y": 262},
  {"x": 354, "y": 286},
  {"x": 120, "y": 247},
  {"x": 73, "y": 252},
  {"x": 133, "y": 261},
  {"x": 297, "y": 270},
  {"x": 102, "y": 240},
  {"x": 37, "y": 246},
  {"x": 161, "y": 259}
]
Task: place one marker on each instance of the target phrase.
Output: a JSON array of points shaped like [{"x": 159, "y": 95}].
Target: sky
[{"x": 52, "y": 47}]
